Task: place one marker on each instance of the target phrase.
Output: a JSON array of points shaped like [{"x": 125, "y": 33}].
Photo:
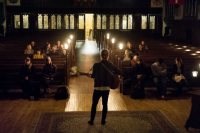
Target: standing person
[
  {"x": 101, "y": 85},
  {"x": 48, "y": 72}
]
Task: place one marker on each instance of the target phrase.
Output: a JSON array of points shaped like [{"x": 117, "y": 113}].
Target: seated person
[
  {"x": 126, "y": 56},
  {"x": 48, "y": 73},
  {"x": 138, "y": 78},
  {"x": 29, "y": 85},
  {"x": 38, "y": 55},
  {"x": 178, "y": 75},
  {"x": 48, "y": 50},
  {"x": 159, "y": 71},
  {"x": 29, "y": 51}
]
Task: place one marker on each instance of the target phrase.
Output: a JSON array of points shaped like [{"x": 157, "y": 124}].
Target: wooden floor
[{"x": 20, "y": 115}]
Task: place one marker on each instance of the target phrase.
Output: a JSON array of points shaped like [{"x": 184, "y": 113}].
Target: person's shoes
[
  {"x": 103, "y": 122},
  {"x": 90, "y": 122}
]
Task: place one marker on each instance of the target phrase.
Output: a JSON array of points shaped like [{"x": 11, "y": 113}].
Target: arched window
[
  {"x": 143, "y": 22},
  {"x": 46, "y": 21},
  {"x": 130, "y": 22},
  {"x": 124, "y": 22},
  {"x": 25, "y": 21},
  {"x": 71, "y": 21},
  {"x": 104, "y": 22},
  {"x": 111, "y": 22},
  {"x": 53, "y": 22},
  {"x": 81, "y": 22},
  {"x": 98, "y": 21},
  {"x": 117, "y": 22},
  {"x": 66, "y": 19},
  {"x": 40, "y": 21},
  {"x": 58, "y": 22},
  {"x": 17, "y": 21}
]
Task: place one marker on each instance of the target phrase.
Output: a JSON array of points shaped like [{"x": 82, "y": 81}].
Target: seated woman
[
  {"x": 29, "y": 51},
  {"x": 138, "y": 76},
  {"x": 38, "y": 55},
  {"x": 48, "y": 73},
  {"x": 48, "y": 50},
  {"x": 178, "y": 75},
  {"x": 29, "y": 85}
]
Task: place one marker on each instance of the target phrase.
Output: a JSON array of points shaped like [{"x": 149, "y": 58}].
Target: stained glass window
[
  {"x": 124, "y": 22},
  {"x": 46, "y": 22},
  {"x": 130, "y": 21},
  {"x": 58, "y": 22},
  {"x": 152, "y": 22},
  {"x": 81, "y": 22},
  {"x": 111, "y": 22},
  {"x": 53, "y": 22},
  {"x": 25, "y": 21},
  {"x": 104, "y": 22},
  {"x": 66, "y": 19},
  {"x": 40, "y": 22},
  {"x": 71, "y": 21},
  {"x": 98, "y": 21},
  {"x": 17, "y": 21},
  {"x": 117, "y": 22},
  {"x": 143, "y": 22}
]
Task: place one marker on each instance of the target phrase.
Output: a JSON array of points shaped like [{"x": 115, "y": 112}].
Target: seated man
[
  {"x": 48, "y": 73},
  {"x": 30, "y": 86},
  {"x": 159, "y": 70}
]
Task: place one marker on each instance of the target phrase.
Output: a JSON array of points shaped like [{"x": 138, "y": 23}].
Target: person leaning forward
[{"x": 101, "y": 85}]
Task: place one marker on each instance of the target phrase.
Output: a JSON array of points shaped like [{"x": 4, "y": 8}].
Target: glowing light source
[
  {"x": 176, "y": 45},
  {"x": 71, "y": 36},
  {"x": 108, "y": 35},
  {"x": 69, "y": 41},
  {"x": 193, "y": 54},
  {"x": 66, "y": 46},
  {"x": 194, "y": 74},
  {"x": 184, "y": 46},
  {"x": 179, "y": 48},
  {"x": 121, "y": 46},
  {"x": 170, "y": 44},
  {"x": 198, "y": 52},
  {"x": 188, "y": 50},
  {"x": 113, "y": 40}
]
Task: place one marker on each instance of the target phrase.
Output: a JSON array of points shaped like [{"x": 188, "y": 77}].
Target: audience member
[
  {"x": 29, "y": 85},
  {"x": 48, "y": 49},
  {"x": 29, "y": 51},
  {"x": 48, "y": 73},
  {"x": 178, "y": 75},
  {"x": 159, "y": 70},
  {"x": 131, "y": 50},
  {"x": 38, "y": 55},
  {"x": 138, "y": 79}
]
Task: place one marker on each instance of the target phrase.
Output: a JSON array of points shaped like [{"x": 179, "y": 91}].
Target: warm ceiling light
[
  {"x": 198, "y": 52},
  {"x": 188, "y": 50},
  {"x": 176, "y": 45},
  {"x": 113, "y": 40},
  {"x": 179, "y": 48},
  {"x": 184, "y": 46},
  {"x": 66, "y": 46},
  {"x": 193, "y": 54}
]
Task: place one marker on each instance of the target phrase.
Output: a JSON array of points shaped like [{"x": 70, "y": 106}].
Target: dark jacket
[
  {"x": 27, "y": 71},
  {"x": 49, "y": 70},
  {"x": 101, "y": 75}
]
